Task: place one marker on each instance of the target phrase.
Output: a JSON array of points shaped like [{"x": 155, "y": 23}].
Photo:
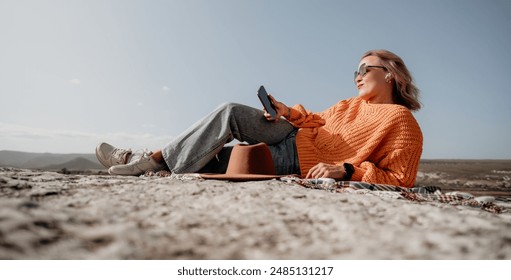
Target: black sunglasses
[{"x": 362, "y": 70}]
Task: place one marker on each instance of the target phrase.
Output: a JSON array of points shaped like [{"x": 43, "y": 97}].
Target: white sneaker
[
  {"x": 109, "y": 155},
  {"x": 137, "y": 167}
]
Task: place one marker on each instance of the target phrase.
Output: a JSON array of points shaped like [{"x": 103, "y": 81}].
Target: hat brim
[{"x": 239, "y": 177}]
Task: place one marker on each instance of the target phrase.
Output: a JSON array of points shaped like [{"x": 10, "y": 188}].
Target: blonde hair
[{"x": 405, "y": 92}]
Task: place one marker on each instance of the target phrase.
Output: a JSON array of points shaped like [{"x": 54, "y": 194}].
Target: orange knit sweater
[{"x": 382, "y": 141}]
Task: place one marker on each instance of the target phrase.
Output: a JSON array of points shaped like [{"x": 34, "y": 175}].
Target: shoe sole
[
  {"x": 124, "y": 174},
  {"x": 105, "y": 164}
]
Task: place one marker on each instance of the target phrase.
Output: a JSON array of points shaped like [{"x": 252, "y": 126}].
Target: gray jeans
[{"x": 201, "y": 147}]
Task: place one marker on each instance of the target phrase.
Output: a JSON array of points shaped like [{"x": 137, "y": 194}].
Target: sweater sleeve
[
  {"x": 401, "y": 169},
  {"x": 398, "y": 156},
  {"x": 302, "y": 118}
]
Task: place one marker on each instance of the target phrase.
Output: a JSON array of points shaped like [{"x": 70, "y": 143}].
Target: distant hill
[
  {"x": 49, "y": 161},
  {"x": 15, "y": 159}
]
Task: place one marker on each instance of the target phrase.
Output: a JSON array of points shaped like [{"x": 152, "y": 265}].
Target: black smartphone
[{"x": 268, "y": 106}]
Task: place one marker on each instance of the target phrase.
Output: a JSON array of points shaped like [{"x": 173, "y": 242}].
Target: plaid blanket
[{"x": 419, "y": 194}]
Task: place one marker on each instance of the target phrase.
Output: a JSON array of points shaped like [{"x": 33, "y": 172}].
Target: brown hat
[{"x": 247, "y": 163}]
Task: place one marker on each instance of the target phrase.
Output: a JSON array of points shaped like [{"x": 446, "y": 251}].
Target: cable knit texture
[{"x": 382, "y": 141}]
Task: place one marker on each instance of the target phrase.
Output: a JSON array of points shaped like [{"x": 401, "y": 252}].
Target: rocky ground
[{"x": 48, "y": 215}]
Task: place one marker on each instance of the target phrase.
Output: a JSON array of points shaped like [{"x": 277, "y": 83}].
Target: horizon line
[{"x": 91, "y": 153}]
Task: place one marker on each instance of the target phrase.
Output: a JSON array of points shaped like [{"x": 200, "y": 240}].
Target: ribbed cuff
[{"x": 358, "y": 174}]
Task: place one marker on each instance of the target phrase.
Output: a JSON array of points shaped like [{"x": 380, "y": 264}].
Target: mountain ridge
[{"x": 48, "y": 161}]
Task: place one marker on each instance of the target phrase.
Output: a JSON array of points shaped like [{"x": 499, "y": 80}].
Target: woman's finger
[{"x": 313, "y": 172}]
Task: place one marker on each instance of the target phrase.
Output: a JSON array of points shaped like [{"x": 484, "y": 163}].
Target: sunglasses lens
[{"x": 361, "y": 70}]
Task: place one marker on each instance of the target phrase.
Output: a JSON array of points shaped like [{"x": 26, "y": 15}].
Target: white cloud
[
  {"x": 140, "y": 104},
  {"x": 74, "y": 81},
  {"x": 165, "y": 88},
  {"x": 35, "y": 139}
]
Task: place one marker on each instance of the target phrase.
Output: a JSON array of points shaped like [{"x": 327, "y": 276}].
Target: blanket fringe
[{"x": 418, "y": 194}]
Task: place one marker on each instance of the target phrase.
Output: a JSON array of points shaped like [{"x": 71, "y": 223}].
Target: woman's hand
[
  {"x": 281, "y": 108},
  {"x": 323, "y": 170}
]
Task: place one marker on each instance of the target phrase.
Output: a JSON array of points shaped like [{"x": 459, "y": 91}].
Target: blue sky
[{"x": 137, "y": 73}]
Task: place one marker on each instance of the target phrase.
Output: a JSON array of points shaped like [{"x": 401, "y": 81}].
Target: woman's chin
[{"x": 362, "y": 95}]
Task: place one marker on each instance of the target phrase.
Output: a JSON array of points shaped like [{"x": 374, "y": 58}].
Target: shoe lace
[
  {"x": 140, "y": 155},
  {"x": 147, "y": 153},
  {"x": 120, "y": 155}
]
